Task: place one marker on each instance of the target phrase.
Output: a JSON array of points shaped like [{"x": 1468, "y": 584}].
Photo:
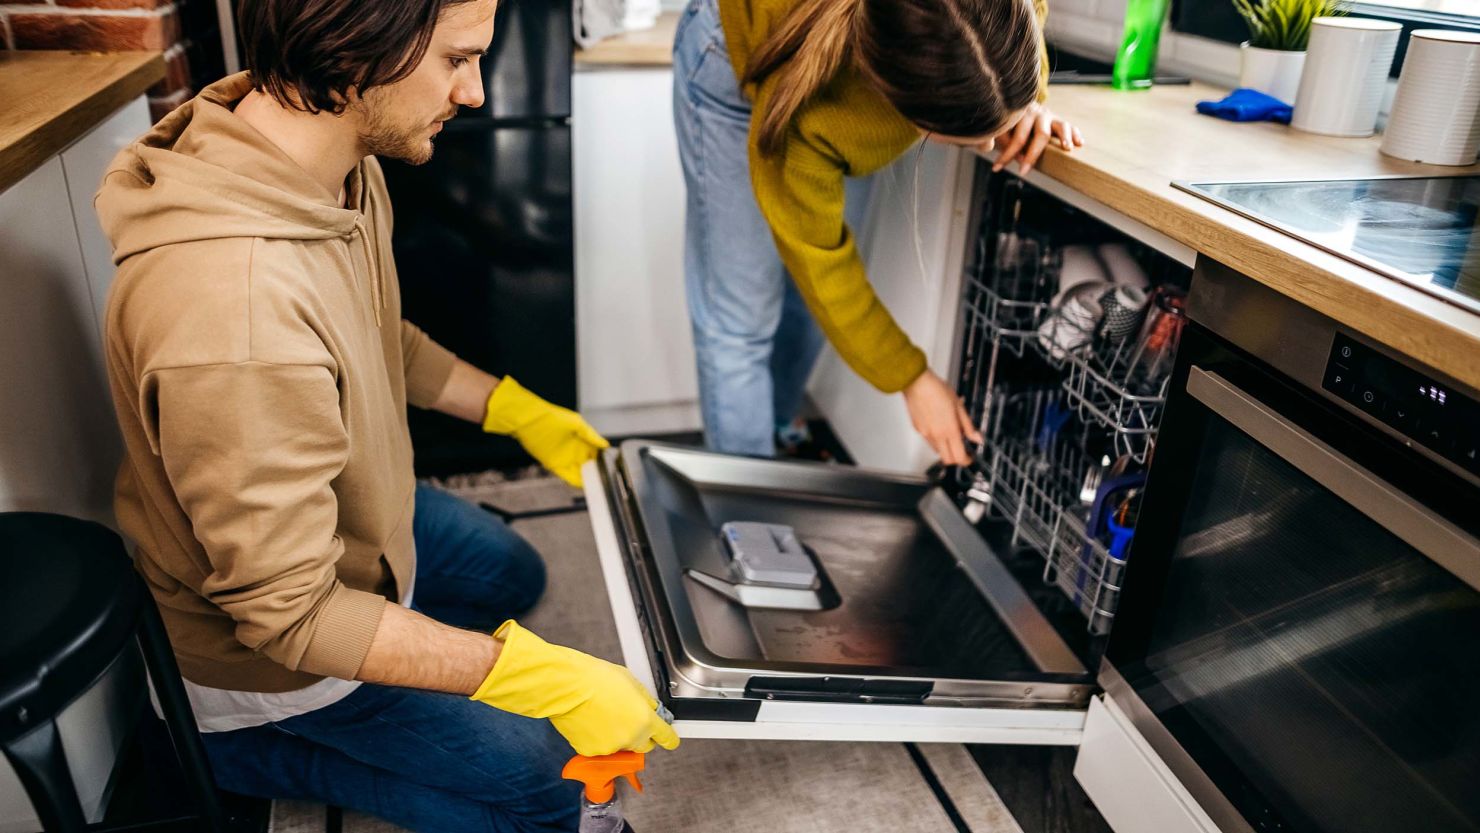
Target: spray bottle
[{"x": 601, "y": 807}]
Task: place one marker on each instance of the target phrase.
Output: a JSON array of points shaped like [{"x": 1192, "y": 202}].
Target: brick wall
[{"x": 105, "y": 26}]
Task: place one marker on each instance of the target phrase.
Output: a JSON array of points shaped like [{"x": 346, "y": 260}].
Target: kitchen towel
[{"x": 1244, "y": 104}]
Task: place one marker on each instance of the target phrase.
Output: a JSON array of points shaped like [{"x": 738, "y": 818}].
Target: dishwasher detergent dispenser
[
  {"x": 762, "y": 553},
  {"x": 769, "y": 567}
]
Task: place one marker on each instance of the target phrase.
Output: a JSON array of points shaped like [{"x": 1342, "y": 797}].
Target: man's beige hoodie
[{"x": 261, "y": 371}]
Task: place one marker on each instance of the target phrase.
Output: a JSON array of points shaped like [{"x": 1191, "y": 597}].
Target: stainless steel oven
[{"x": 1298, "y": 638}]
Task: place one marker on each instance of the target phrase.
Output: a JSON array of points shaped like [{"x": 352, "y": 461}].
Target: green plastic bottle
[{"x": 1135, "y": 63}]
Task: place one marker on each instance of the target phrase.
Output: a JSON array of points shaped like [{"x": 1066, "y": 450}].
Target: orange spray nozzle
[{"x": 600, "y": 773}]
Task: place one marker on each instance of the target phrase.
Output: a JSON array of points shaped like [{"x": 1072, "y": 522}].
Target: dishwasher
[{"x": 770, "y": 599}]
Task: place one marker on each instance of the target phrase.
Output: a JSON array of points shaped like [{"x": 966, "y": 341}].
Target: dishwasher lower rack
[{"x": 1033, "y": 479}]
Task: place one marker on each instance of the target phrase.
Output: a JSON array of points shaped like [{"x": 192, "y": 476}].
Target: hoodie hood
[{"x": 203, "y": 174}]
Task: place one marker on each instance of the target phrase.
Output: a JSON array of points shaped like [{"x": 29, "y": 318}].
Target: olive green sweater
[{"x": 846, "y": 130}]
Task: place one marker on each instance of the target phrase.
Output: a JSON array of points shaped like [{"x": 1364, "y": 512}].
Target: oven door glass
[{"x": 1313, "y": 645}]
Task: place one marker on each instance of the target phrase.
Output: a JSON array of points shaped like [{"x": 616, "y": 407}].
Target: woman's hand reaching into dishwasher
[{"x": 938, "y": 416}]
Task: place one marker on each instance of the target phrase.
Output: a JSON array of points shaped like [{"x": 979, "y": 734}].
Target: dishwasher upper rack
[
  {"x": 1106, "y": 383},
  {"x": 1006, "y": 306}
]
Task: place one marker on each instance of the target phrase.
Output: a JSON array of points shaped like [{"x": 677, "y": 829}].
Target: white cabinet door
[
  {"x": 913, "y": 244},
  {"x": 59, "y": 446},
  {"x": 84, "y": 163},
  {"x": 635, "y": 354},
  {"x": 59, "y": 449}
]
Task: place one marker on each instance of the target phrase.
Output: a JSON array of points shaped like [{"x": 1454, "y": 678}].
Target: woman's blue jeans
[{"x": 754, "y": 338}]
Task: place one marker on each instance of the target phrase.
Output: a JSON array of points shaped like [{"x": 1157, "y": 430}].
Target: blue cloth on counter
[{"x": 1244, "y": 104}]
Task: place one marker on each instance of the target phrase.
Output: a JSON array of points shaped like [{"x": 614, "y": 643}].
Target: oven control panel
[{"x": 1430, "y": 413}]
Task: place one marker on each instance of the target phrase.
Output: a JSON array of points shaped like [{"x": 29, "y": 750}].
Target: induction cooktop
[{"x": 1419, "y": 230}]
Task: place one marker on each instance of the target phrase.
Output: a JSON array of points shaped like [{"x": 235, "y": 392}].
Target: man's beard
[{"x": 382, "y": 138}]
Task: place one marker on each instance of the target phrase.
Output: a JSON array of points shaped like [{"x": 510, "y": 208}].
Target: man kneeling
[{"x": 261, "y": 371}]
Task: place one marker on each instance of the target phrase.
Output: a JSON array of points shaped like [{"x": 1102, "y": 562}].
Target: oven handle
[{"x": 1441, "y": 541}]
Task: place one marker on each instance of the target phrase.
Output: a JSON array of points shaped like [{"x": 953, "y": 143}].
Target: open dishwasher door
[{"x": 910, "y": 628}]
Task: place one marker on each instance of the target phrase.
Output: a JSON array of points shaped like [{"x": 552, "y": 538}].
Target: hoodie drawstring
[{"x": 377, "y": 277}]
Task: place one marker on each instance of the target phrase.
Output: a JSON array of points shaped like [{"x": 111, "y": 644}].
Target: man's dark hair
[{"x": 308, "y": 54}]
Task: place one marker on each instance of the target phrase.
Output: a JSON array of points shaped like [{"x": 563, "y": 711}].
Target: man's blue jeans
[{"x": 434, "y": 763}]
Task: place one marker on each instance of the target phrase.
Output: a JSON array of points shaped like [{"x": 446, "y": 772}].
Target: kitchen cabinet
[
  {"x": 1132, "y": 788},
  {"x": 49, "y": 346},
  {"x": 84, "y": 163},
  {"x": 60, "y": 449},
  {"x": 635, "y": 353},
  {"x": 912, "y": 242}
]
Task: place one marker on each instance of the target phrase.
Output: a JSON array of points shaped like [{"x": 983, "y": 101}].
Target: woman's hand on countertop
[
  {"x": 938, "y": 415},
  {"x": 1025, "y": 139}
]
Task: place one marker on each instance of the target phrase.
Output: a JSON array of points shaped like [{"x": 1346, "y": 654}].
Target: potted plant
[{"x": 1274, "y": 55}]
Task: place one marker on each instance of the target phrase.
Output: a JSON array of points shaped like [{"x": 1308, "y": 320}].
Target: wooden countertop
[
  {"x": 1138, "y": 143},
  {"x": 644, "y": 48},
  {"x": 49, "y": 99}
]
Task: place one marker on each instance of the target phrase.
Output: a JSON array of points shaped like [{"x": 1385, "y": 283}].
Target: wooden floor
[{"x": 1037, "y": 785}]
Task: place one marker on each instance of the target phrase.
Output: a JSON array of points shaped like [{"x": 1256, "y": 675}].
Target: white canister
[
  {"x": 1436, "y": 111},
  {"x": 1273, "y": 72},
  {"x": 1346, "y": 71},
  {"x": 641, "y": 14}
]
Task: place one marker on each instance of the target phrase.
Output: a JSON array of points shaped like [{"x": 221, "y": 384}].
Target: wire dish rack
[
  {"x": 1009, "y": 307},
  {"x": 1031, "y": 475},
  {"x": 1005, "y": 297},
  {"x": 1056, "y": 396},
  {"x": 1120, "y": 384}
]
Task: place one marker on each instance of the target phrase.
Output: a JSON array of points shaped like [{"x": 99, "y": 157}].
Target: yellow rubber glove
[
  {"x": 599, "y": 707},
  {"x": 555, "y": 436}
]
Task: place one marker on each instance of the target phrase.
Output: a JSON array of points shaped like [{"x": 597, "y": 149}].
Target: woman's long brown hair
[{"x": 952, "y": 67}]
